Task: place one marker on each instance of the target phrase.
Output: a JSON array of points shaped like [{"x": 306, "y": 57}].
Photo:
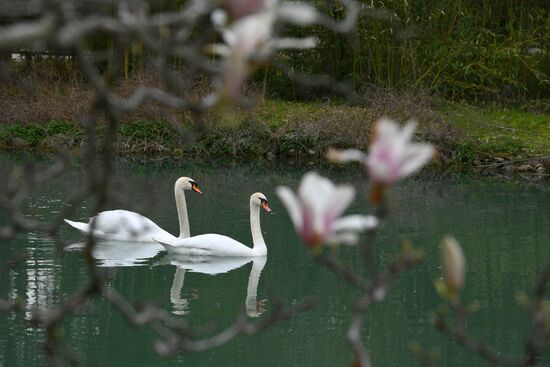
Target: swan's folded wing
[{"x": 123, "y": 221}]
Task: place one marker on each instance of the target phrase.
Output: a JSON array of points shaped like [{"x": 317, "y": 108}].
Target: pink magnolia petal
[
  {"x": 392, "y": 155},
  {"x": 242, "y": 8}
]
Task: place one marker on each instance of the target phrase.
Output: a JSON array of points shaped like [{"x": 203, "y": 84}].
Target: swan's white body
[
  {"x": 212, "y": 244},
  {"x": 124, "y": 225}
]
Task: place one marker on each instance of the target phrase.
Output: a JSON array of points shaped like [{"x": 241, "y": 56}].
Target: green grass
[
  {"x": 277, "y": 113},
  {"x": 508, "y": 132},
  {"x": 463, "y": 133}
]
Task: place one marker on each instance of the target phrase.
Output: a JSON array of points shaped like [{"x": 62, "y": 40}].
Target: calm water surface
[{"x": 503, "y": 227}]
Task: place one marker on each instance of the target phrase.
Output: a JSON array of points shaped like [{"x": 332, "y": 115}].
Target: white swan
[
  {"x": 124, "y": 225},
  {"x": 218, "y": 245}
]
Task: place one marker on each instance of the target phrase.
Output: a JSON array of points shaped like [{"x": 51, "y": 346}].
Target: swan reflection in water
[
  {"x": 213, "y": 266},
  {"x": 126, "y": 254},
  {"x": 121, "y": 254}
]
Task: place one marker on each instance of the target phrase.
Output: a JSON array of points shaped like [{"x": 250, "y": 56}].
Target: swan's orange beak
[
  {"x": 266, "y": 207},
  {"x": 195, "y": 188}
]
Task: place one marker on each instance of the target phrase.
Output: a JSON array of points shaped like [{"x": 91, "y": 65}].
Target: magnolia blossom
[
  {"x": 316, "y": 211},
  {"x": 392, "y": 156},
  {"x": 251, "y": 38}
]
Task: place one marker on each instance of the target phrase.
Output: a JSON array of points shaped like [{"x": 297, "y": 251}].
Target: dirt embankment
[{"x": 42, "y": 112}]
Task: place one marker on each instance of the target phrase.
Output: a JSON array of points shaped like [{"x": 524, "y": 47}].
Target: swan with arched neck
[
  {"x": 212, "y": 244},
  {"x": 124, "y": 225}
]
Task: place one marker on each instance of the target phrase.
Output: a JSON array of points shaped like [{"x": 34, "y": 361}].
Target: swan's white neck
[
  {"x": 182, "y": 211},
  {"x": 259, "y": 248}
]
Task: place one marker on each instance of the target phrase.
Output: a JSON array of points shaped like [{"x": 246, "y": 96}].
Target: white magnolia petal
[
  {"x": 219, "y": 49},
  {"x": 229, "y": 37},
  {"x": 251, "y": 32},
  {"x": 347, "y": 155},
  {"x": 343, "y": 238},
  {"x": 417, "y": 155},
  {"x": 293, "y": 43},
  {"x": 407, "y": 132},
  {"x": 315, "y": 190},
  {"x": 218, "y": 18},
  {"x": 386, "y": 130},
  {"x": 401, "y": 141},
  {"x": 235, "y": 71},
  {"x": 355, "y": 223},
  {"x": 298, "y": 13},
  {"x": 292, "y": 204},
  {"x": 341, "y": 198},
  {"x": 317, "y": 193}
]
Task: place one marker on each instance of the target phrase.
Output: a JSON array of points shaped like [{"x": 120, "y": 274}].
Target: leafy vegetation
[
  {"x": 462, "y": 49},
  {"x": 463, "y": 133},
  {"x": 474, "y": 50}
]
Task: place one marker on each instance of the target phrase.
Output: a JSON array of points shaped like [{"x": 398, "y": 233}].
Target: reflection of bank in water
[{"x": 214, "y": 266}]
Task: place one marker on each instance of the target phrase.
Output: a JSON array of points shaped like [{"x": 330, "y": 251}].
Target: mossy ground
[
  {"x": 465, "y": 134},
  {"x": 510, "y": 133}
]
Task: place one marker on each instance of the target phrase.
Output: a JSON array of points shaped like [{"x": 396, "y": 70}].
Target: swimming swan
[
  {"x": 124, "y": 225},
  {"x": 217, "y": 245}
]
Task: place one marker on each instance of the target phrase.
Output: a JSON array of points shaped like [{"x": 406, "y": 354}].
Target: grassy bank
[{"x": 468, "y": 137}]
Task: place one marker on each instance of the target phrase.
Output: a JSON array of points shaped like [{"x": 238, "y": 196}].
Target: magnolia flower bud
[{"x": 452, "y": 258}]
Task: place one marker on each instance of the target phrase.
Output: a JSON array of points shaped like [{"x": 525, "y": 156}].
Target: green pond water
[{"x": 503, "y": 227}]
